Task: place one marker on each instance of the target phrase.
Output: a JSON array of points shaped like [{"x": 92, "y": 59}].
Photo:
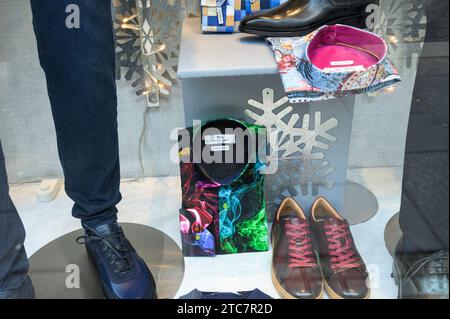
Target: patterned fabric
[
  {"x": 219, "y": 218},
  {"x": 255, "y": 6},
  {"x": 242, "y": 214},
  {"x": 305, "y": 82},
  {"x": 218, "y": 16},
  {"x": 224, "y": 16},
  {"x": 200, "y": 207}
]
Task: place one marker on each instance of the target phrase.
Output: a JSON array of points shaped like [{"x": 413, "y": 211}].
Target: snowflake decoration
[
  {"x": 296, "y": 177},
  {"x": 284, "y": 183},
  {"x": 161, "y": 34},
  {"x": 128, "y": 47},
  {"x": 290, "y": 141},
  {"x": 308, "y": 138},
  {"x": 192, "y": 7},
  {"x": 416, "y": 26},
  {"x": 315, "y": 173},
  {"x": 148, "y": 34},
  {"x": 401, "y": 21},
  {"x": 269, "y": 118}
]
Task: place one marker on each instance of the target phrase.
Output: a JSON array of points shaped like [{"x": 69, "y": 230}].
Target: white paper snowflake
[
  {"x": 192, "y": 7},
  {"x": 400, "y": 22},
  {"x": 315, "y": 174},
  {"x": 148, "y": 38},
  {"x": 293, "y": 141},
  {"x": 296, "y": 142},
  {"x": 304, "y": 139}
]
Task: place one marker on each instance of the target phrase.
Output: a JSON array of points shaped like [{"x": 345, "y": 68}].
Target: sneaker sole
[
  {"x": 106, "y": 291},
  {"x": 333, "y": 295},
  {"x": 286, "y": 295}
]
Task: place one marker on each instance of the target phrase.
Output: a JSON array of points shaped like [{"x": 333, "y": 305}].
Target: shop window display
[{"x": 242, "y": 199}]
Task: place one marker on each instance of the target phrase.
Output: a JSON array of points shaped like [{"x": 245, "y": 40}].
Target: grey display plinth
[
  {"x": 359, "y": 205},
  {"x": 392, "y": 233},
  {"x": 235, "y": 75},
  {"x": 62, "y": 270}
]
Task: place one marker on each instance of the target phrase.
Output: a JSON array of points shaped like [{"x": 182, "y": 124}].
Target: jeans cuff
[
  {"x": 21, "y": 288},
  {"x": 93, "y": 223}
]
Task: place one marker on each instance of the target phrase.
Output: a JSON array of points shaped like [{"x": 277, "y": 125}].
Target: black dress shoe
[
  {"x": 123, "y": 274},
  {"x": 421, "y": 275},
  {"x": 300, "y": 17}
]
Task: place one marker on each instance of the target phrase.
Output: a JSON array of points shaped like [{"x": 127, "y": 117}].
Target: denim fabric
[
  {"x": 13, "y": 259},
  {"x": 424, "y": 210},
  {"x": 79, "y": 64},
  {"x": 424, "y": 217}
]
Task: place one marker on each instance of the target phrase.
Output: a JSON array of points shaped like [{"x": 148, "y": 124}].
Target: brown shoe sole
[{"x": 333, "y": 295}]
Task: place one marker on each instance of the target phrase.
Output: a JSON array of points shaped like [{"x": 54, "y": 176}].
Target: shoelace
[
  {"x": 113, "y": 246},
  {"x": 436, "y": 258},
  {"x": 340, "y": 245},
  {"x": 300, "y": 247}
]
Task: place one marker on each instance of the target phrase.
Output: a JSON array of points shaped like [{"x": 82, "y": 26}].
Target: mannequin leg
[{"x": 14, "y": 281}]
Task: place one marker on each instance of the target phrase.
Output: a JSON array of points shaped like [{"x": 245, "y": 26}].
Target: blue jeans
[{"x": 79, "y": 65}]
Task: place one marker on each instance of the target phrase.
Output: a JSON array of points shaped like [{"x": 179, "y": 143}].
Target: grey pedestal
[
  {"x": 234, "y": 75},
  {"x": 359, "y": 204},
  {"x": 62, "y": 270},
  {"x": 392, "y": 233}
]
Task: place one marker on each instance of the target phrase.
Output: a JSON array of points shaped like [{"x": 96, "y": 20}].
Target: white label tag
[
  {"x": 220, "y": 148},
  {"x": 220, "y": 15},
  {"x": 341, "y": 63},
  {"x": 220, "y": 139},
  {"x": 345, "y": 69}
]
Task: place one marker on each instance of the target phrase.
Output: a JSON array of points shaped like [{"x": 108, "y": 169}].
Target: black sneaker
[
  {"x": 421, "y": 275},
  {"x": 123, "y": 274}
]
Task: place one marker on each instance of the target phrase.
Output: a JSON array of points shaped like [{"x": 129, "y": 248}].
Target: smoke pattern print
[
  {"x": 243, "y": 220},
  {"x": 200, "y": 206},
  {"x": 223, "y": 219}
]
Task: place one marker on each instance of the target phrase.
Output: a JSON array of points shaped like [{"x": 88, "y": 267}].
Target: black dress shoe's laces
[
  {"x": 436, "y": 264},
  {"x": 113, "y": 246}
]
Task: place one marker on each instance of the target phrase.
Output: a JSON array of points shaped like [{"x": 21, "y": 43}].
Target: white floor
[{"x": 155, "y": 202}]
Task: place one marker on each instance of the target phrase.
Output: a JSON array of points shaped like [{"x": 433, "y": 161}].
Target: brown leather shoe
[
  {"x": 342, "y": 267},
  {"x": 295, "y": 271}
]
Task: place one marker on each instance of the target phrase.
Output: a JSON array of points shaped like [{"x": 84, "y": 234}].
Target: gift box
[{"x": 223, "y": 16}]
